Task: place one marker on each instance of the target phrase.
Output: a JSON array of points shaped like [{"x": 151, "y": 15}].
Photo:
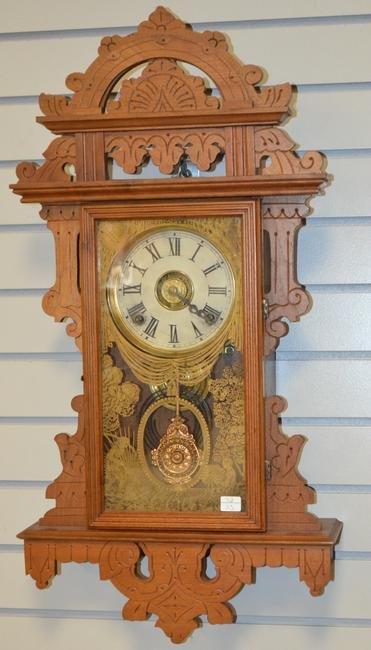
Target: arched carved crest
[{"x": 165, "y": 38}]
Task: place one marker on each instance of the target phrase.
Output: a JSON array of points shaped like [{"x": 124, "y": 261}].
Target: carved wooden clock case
[{"x": 175, "y": 213}]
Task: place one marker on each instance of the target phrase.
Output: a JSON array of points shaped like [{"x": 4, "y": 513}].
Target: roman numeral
[
  {"x": 174, "y": 245},
  {"x": 218, "y": 290},
  {"x": 152, "y": 327},
  {"x": 173, "y": 334},
  {"x": 195, "y": 253},
  {"x": 151, "y": 248},
  {"x": 212, "y": 268},
  {"x": 196, "y": 330},
  {"x": 131, "y": 288},
  {"x": 137, "y": 268},
  {"x": 211, "y": 314},
  {"x": 136, "y": 310}
]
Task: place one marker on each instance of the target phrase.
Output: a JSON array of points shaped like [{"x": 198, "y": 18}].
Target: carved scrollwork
[
  {"x": 276, "y": 146},
  {"x": 41, "y": 563},
  {"x": 315, "y": 568},
  {"x": 164, "y": 86},
  {"x": 286, "y": 297},
  {"x": 165, "y": 150},
  {"x": 69, "y": 488},
  {"x": 286, "y": 486},
  {"x": 160, "y": 23},
  {"x": 60, "y": 155},
  {"x": 177, "y": 590}
]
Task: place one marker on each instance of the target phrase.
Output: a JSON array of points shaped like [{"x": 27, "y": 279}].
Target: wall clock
[{"x": 175, "y": 212}]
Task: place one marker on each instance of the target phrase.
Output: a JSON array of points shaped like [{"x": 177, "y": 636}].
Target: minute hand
[{"x": 201, "y": 313}]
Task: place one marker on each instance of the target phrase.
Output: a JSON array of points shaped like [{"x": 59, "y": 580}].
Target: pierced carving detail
[
  {"x": 166, "y": 150},
  {"x": 163, "y": 87},
  {"x": 286, "y": 486},
  {"x": 277, "y": 146},
  {"x": 177, "y": 590},
  {"x": 60, "y": 156},
  {"x": 69, "y": 489}
]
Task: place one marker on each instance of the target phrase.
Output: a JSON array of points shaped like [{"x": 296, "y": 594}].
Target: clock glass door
[{"x": 175, "y": 388}]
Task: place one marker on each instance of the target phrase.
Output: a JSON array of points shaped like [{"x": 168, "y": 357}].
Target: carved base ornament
[
  {"x": 175, "y": 209},
  {"x": 178, "y": 590}
]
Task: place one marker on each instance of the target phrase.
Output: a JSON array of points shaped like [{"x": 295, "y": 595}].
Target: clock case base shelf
[{"x": 178, "y": 590}]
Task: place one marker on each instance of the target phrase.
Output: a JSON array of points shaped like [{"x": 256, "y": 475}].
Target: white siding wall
[{"x": 324, "y": 363}]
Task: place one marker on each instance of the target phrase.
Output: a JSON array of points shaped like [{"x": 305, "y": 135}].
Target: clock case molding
[{"x": 179, "y": 123}]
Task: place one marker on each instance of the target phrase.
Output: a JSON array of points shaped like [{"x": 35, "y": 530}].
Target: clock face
[{"x": 171, "y": 290}]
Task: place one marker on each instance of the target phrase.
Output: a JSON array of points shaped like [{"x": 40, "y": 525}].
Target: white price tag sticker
[{"x": 230, "y": 504}]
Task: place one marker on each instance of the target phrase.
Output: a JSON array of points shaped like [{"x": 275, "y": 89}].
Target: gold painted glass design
[{"x": 173, "y": 384}]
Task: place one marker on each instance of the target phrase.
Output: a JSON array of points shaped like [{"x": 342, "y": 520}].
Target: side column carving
[
  {"x": 286, "y": 297},
  {"x": 63, "y": 300}
]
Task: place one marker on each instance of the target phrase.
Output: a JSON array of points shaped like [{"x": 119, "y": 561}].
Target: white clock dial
[{"x": 172, "y": 290}]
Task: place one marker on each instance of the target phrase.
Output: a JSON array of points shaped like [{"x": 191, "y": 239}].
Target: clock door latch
[
  {"x": 268, "y": 470},
  {"x": 265, "y": 308}
]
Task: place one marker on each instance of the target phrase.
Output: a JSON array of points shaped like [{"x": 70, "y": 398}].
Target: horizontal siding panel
[
  {"x": 331, "y": 388},
  {"x": 12, "y": 210},
  {"x": 27, "y": 504},
  {"x": 39, "y": 388},
  {"x": 353, "y": 510},
  {"x": 337, "y": 321},
  {"x": 25, "y": 328},
  {"x": 277, "y": 591},
  {"x": 27, "y": 259},
  {"x": 92, "y": 14},
  {"x": 119, "y": 635},
  {"x": 349, "y": 194},
  {"x": 327, "y": 443},
  {"x": 32, "y": 454},
  {"x": 324, "y": 122},
  {"x": 322, "y": 114},
  {"x": 36, "y": 441},
  {"x": 73, "y": 52},
  {"x": 334, "y": 254}
]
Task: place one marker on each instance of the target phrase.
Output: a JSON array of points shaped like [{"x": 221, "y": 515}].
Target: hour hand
[{"x": 209, "y": 318}]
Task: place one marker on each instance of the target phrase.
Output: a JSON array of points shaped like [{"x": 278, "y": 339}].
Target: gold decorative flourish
[
  {"x": 131, "y": 482},
  {"x": 119, "y": 396},
  {"x": 229, "y": 405}
]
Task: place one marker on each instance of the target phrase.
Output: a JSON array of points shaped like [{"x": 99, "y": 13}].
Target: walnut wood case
[{"x": 165, "y": 118}]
